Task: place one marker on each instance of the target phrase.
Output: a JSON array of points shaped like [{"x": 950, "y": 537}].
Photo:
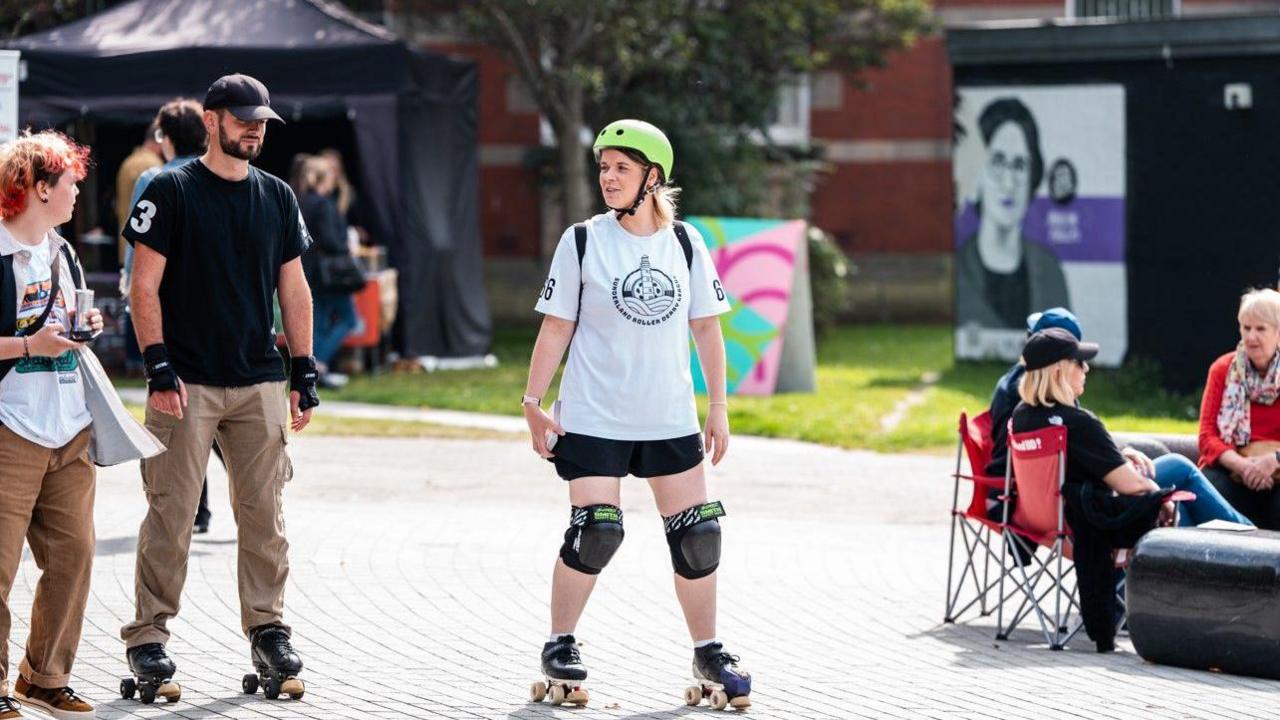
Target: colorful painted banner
[{"x": 756, "y": 260}]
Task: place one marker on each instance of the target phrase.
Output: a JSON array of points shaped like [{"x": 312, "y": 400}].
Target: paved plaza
[{"x": 420, "y": 577}]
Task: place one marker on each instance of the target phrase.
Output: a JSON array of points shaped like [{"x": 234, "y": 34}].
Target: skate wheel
[
  {"x": 249, "y": 683},
  {"x": 557, "y": 694},
  {"x": 718, "y": 700},
  {"x": 578, "y": 696},
  {"x": 271, "y": 688},
  {"x": 293, "y": 687},
  {"x": 170, "y": 691},
  {"x": 147, "y": 694},
  {"x": 742, "y": 702},
  {"x": 537, "y": 691},
  {"x": 692, "y": 695},
  {"x": 128, "y": 688}
]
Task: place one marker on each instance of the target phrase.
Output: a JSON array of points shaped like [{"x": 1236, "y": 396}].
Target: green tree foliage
[
  {"x": 706, "y": 71},
  {"x": 20, "y": 17}
]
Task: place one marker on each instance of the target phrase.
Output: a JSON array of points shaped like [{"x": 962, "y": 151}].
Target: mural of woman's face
[{"x": 1006, "y": 180}]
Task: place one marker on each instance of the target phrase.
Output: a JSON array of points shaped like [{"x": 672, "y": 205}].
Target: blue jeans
[
  {"x": 334, "y": 318},
  {"x": 1209, "y": 504}
]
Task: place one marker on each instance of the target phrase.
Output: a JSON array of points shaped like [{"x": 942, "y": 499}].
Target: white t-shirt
[
  {"x": 628, "y": 375},
  {"x": 42, "y": 399}
]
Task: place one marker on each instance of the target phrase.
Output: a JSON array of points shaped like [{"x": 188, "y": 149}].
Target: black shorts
[{"x": 586, "y": 456}]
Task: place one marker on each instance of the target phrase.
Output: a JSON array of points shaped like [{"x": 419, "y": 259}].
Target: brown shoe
[
  {"x": 9, "y": 708},
  {"x": 62, "y": 703}
]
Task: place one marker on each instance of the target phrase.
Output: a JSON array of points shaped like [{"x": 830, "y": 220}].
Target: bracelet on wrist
[{"x": 26, "y": 348}]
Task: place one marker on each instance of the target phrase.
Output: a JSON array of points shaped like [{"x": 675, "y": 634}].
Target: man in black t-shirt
[{"x": 215, "y": 240}]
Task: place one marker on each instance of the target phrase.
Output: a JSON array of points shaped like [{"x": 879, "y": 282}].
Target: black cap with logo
[
  {"x": 244, "y": 96},
  {"x": 1048, "y": 346}
]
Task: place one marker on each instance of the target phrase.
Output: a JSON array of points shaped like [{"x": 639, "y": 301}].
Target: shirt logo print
[{"x": 647, "y": 296}]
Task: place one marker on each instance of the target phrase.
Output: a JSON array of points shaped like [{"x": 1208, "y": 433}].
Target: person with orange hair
[{"x": 45, "y": 420}]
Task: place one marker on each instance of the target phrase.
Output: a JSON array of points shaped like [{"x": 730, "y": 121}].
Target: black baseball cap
[
  {"x": 1048, "y": 346},
  {"x": 244, "y": 96}
]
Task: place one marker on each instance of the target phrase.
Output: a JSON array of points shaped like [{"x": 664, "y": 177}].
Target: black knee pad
[
  {"x": 694, "y": 538},
  {"x": 594, "y": 534}
]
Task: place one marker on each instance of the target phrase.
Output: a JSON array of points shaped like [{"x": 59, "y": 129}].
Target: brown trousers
[
  {"x": 46, "y": 496},
  {"x": 251, "y": 426}
]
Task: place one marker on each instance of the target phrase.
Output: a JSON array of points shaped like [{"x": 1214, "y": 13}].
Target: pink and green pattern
[{"x": 756, "y": 262}]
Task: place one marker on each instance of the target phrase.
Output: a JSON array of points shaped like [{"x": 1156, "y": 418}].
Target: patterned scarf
[{"x": 1245, "y": 385}]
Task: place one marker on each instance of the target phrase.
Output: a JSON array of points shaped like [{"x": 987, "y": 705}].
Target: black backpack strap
[
  {"x": 8, "y": 308},
  {"x": 683, "y": 236},
  {"x": 73, "y": 264},
  {"x": 580, "y": 239}
]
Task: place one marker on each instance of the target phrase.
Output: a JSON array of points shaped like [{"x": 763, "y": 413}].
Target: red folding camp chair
[
  {"x": 1037, "y": 469},
  {"x": 976, "y": 531}
]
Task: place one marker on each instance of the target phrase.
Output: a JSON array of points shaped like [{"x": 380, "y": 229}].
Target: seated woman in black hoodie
[{"x": 1111, "y": 501}]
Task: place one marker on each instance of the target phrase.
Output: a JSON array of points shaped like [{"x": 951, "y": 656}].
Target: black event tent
[{"x": 413, "y": 115}]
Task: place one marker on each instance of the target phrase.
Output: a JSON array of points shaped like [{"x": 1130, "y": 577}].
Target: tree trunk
[{"x": 576, "y": 197}]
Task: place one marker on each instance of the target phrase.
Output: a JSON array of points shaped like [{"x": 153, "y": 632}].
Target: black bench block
[{"x": 1207, "y": 599}]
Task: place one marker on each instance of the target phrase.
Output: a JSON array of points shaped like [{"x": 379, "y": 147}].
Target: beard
[{"x": 236, "y": 149}]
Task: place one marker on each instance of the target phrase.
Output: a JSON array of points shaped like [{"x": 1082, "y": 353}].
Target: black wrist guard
[
  {"x": 160, "y": 374},
  {"x": 302, "y": 379}
]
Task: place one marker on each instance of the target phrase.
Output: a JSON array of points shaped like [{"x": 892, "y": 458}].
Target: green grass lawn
[{"x": 863, "y": 373}]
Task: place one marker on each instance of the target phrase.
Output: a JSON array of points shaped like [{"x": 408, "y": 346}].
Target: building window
[
  {"x": 827, "y": 92},
  {"x": 1124, "y": 9},
  {"x": 789, "y": 121}
]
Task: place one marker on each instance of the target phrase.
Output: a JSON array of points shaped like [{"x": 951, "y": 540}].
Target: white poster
[
  {"x": 1040, "y": 178},
  {"x": 8, "y": 94}
]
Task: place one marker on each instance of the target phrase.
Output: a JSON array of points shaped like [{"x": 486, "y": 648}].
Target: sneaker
[
  {"x": 10, "y": 708},
  {"x": 332, "y": 381},
  {"x": 62, "y": 703}
]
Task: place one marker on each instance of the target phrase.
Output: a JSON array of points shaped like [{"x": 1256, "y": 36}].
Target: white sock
[
  {"x": 703, "y": 643},
  {"x": 554, "y": 637}
]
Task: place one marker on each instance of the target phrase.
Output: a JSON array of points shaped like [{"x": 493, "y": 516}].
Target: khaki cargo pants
[
  {"x": 251, "y": 426},
  {"x": 46, "y": 496}
]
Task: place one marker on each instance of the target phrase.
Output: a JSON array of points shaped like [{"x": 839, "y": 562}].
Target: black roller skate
[
  {"x": 276, "y": 662},
  {"x": 153, "y": 672},
  {"x": 565, "y": 673},
  {"x": 719, "y": 679}
]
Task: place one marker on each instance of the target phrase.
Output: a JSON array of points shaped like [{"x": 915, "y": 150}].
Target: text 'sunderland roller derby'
[
  {"x": 1207, "y": 599},
  {"x": 276, "y": 663},
  {"x": 719, "y": 679},
  {"x": 562, "y": 666},
  {"x": 153, "y": 672}
]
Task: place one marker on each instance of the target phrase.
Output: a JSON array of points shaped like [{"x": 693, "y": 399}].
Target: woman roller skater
[{"x": 627, "y": 287}]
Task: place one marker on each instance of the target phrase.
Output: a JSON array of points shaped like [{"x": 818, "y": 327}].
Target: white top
[
  {"x": 42, "y": 399},
  {"x": 628, "y": 375}
]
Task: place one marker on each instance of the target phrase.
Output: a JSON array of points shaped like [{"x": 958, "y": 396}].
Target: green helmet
[{"x": 641, "y": 136}]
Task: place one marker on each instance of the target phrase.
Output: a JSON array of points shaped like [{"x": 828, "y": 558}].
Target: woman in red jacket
[{"x": 1239, "y": 416}]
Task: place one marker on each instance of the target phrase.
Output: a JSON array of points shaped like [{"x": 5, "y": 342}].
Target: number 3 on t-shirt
[{"x": 142, "y": 222}]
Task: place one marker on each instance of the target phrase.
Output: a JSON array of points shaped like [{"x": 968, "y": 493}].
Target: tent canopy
[{"x": 413, "y": 114}]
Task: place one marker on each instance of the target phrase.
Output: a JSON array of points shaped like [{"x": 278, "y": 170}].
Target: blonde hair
[
  {"x": 1046, "y": 386},
  {"x": 1262, "y": 304},
  {"x": 665, "y": 199}
]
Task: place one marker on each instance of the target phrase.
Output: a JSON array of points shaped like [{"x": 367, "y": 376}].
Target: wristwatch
[{"x": 530, "y": 400}]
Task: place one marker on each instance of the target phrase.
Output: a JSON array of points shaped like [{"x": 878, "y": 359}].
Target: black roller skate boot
[
  {"x": 153, "y": 672},
  {"x": 719, "y": 679},
  {"x": 562, "y": 666},
  {"x": 276, "y": 662}
]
